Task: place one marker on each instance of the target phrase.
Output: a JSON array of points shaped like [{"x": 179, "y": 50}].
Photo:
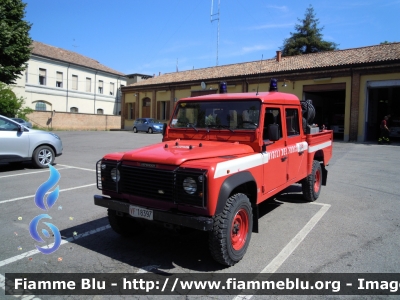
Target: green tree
[
  {"x": 307, "y": 38},
  {"x": 11, "y": 105},
  {"x": 15, "y": 42}
]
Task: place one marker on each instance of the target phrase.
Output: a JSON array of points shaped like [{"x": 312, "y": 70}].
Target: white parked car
[{"x": 18, "y": 143}]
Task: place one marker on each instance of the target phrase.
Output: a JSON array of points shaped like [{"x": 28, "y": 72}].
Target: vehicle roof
[{"x": 265, "y": 97}]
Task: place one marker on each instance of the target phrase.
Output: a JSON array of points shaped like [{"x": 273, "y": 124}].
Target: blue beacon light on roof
[
  {"x": 223, "y": 87},
  {"x": 273, "y": 85}
]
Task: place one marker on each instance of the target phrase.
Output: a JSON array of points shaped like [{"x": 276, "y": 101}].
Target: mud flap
[
  {"x": 324, "y": 174},
  {"x": 255, "y": 217}
]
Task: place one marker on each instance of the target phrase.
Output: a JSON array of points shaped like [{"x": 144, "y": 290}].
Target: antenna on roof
[
  {"x": 262, "y": 55},
  {"x": 215, "y": 17}
]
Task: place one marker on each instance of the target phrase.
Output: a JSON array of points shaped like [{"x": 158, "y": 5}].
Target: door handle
[{"x": 284, "y": 158}]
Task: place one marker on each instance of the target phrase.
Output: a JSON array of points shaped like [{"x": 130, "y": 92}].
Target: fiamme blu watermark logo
[{"x": 46, "y": 205}]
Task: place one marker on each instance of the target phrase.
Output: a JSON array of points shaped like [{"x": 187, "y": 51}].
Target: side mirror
[
  {"x": 164, "y": 128},
  {"x": 21, "y": 128},
  {"x": 273, "y": 132}
]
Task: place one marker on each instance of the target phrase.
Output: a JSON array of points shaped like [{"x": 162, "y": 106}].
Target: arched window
[
  {"x": 40, "y": 106},
  {"x": 146, "y": 102},
  {"x": 74, "y": 110},
  {"x": 100, "y": 111}
]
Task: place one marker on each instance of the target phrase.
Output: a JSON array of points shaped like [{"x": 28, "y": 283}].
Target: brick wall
[{"x": 74, "y": 121}]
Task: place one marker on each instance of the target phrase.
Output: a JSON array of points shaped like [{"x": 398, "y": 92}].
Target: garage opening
[
  {"x": 329, "y": 102},
  {"x": 381, "y": 102}
]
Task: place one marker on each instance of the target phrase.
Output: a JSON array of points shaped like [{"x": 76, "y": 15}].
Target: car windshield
[
  {"x": 151, "y": 121},
  {"x": 232, "y": 115}
]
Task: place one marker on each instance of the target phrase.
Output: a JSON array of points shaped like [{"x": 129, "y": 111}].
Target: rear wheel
[
  {"x": 124, "y": 226},
  {"x": 134, "y": 129},
  {"x": 150, "y": 130},
  {"x": 311, "y": 185},
  {"x": 230, "y": 237}
]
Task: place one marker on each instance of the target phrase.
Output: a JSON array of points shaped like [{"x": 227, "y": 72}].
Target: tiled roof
[
  {"x": 52, "y": 52},
  {"x": 348, "y": 57}
]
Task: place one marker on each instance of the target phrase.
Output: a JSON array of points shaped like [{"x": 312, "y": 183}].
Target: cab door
[
  {"x": 275, "y": 162},
  {"x": 296, "y": 144}
]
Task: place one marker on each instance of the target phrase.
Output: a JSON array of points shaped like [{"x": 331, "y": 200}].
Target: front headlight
[
  {"x": 115, "y": 174},
  {"x": 55, "y": 135},
  {"x": 190, "y": 185}
]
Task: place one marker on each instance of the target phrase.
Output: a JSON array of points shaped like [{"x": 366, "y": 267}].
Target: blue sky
[{"x": 152, "y": 36}]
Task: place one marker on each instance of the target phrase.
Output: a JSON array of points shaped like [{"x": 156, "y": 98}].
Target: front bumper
[{"x": 195, "y": 222}]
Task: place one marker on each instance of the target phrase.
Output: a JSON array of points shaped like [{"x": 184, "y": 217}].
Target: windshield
[{"x": 231, "y": 115}]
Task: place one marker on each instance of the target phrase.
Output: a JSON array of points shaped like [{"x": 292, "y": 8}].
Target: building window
[
  {"x": 42, "y": 76},
  {"x": 100, "y": 86},
  {"x": 74, "y": 82},
  {"x": 131, "y": 111},
  {"x": 40, "y": 106},
  {"x": 74, "y": 110},
  {"x": 111, "y": 88},
  {"x": 88, "y": 84},
  {"x": 100, "y": 111},
  {"x": 59, "y": 79}
]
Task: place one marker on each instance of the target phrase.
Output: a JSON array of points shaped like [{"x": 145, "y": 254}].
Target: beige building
[
  {"x": 65, "y": 81},
  {"x": 351, "y": 89}
]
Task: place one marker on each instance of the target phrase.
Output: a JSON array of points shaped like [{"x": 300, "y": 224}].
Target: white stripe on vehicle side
[
  {"x": 240, "y": 164},
  {"x": 255, "y": 160},
  {"x": 319, "y": 147}
]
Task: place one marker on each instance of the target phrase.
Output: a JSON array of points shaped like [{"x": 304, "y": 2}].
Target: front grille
[{"x": 147, "y": 182}]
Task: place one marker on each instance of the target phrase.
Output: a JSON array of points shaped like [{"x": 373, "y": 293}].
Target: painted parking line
[
  {"x": 47, "y": 170},
  {"x": 62, "y": 190},
  {"x": 20, "y": 174},
  {"x": 79, "y": 168},
  {"x": 275, "y": 264}
]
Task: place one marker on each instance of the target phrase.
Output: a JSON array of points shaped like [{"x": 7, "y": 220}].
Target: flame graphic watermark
[{"x": 46, "y": 205}]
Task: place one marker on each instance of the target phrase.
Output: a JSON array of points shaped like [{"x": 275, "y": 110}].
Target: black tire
[
  {"x": 134, "y": 129},
  {"x": 43, "y": 156},
  {"x": 150, "y": 130},
  {"x": 230, "y": 237},
  {"x": 124, "y": 226},
  {"x": 311, "y": 185}
]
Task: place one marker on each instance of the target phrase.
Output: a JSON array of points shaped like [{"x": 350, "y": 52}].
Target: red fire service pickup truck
[{"x": 221, "y": 155}]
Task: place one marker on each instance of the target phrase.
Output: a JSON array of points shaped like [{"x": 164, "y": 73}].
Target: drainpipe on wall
[
  {"x": 117, "y": 110},
  {"x": 94, "y": 102},
  {"x": 66, "y": 107}
]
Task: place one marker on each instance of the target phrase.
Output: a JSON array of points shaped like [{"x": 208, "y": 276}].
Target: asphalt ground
[{"x": 352, "y": 228}]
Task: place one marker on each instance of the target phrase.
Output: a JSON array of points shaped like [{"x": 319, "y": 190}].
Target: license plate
[{"x": 140, "y": 212}]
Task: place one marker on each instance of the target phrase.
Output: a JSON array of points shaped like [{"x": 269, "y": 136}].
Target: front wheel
[
  {"x": 122, "y": 225},
  {"x": 311, "y": 185},
  {"x": 43, "y": 156},
  {"x": 231, "y": 233},
  {"x": 150, "y": 130}
]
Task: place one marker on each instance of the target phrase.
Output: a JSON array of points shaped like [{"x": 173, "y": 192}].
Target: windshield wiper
[
  {"x": 191, "y": 125},
  {"x": 221, "y": 126}
]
